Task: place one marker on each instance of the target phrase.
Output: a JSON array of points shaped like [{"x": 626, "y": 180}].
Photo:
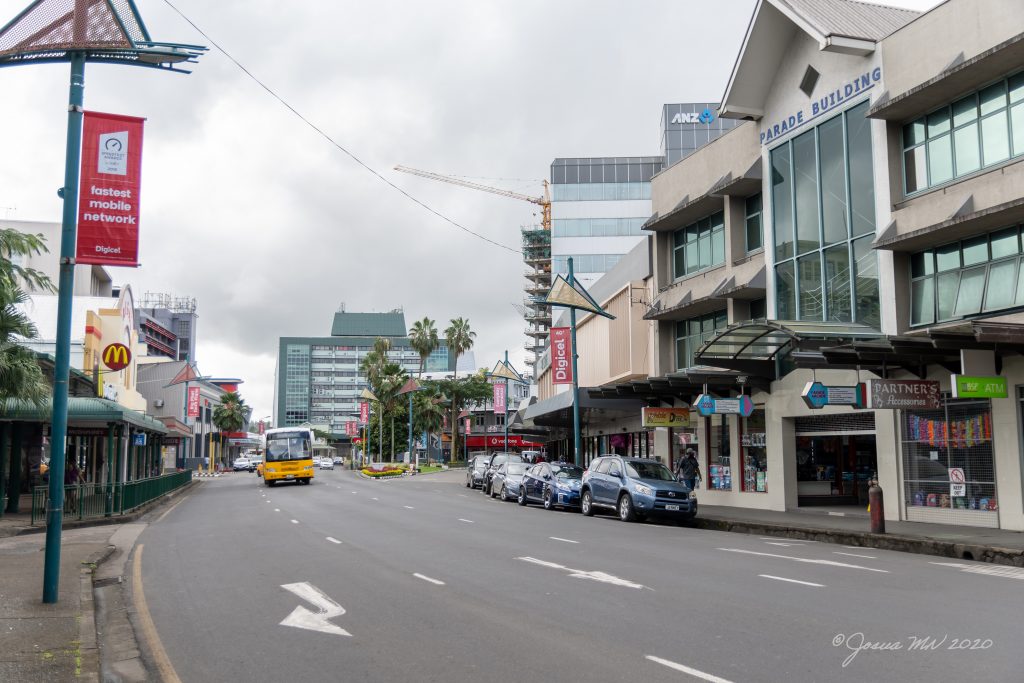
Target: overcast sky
[{"x": 272, "y": 229}]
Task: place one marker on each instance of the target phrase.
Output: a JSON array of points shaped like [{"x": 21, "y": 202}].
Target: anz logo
[{"x": 705, "y": 117}]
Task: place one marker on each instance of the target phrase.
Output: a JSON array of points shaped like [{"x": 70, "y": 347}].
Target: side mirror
[{"x": 547, "y": 476}]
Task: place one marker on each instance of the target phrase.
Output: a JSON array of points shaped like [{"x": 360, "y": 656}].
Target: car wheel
[
  {"x": 586, "y": 504},
  {"x": 521, "y": 498},
  {"x": 504, "y": 493},
  {"x": 469, "y": 484},
  {"x": 493, "y": 492},
  {"x": 549, "y": 500},
  {"x": 626, "y": 512}
]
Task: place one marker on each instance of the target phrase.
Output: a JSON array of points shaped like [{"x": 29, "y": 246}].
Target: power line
[{"x": 331, "y": 140}]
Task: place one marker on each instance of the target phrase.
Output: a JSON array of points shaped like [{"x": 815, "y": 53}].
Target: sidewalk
[
  {"x": 50, "y": 642},
  {"x": 853, "y": 528}
]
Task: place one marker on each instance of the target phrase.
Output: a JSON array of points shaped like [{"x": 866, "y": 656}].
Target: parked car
[
  {"x": 497, "y": 460},
  {"x": 635, "y": 488},
  {"x": 475, "y": 471},
  {"x": 326, "y": 464},
  {"x": 554, "y": 484},
  {"x": 533, "y": 457},
  {"x": 507, "y": 480},
  {"x": 338, "y": 460},
  {"x": 243, "y": 463}
]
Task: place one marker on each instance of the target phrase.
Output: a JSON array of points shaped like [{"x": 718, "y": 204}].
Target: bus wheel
[{"x": 306, "y": 482}]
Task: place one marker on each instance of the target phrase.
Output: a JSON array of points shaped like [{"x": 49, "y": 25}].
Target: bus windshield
[{"x": 288, "y": 446}]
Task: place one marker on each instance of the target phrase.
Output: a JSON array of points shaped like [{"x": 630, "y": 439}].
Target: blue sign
[
  {"x": 707, "y": 405},
  {"x": 706, "y": 116},
  {"x": 817, "y": 395},
  {"x": 139, "y": 439}
]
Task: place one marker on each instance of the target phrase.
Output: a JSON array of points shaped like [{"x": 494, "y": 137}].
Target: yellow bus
[{"x": 288, "y": 455}]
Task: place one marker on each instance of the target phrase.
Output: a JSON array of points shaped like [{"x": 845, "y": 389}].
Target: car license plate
[
  {"x": 673, "y": 508},
  {"x": 292, "y": 476}
]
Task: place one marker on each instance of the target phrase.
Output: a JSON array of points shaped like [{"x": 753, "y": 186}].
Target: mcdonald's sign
[{"x": 116, "y": 356}]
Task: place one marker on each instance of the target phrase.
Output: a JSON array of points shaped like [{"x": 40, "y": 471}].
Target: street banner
[
  {"x": 469, "y": 425},
  {"x": 108, "y": 194},
  {"x": 895, "y": 394},
  {"x": 665, "y": 417},
  {"x": 263, "y": 427},
  {"x": 561, "y": 355},
  {"x": 193, "y": 402},
  {"x": 364, "y": 413},
  {"x": 965, "y": 386},
  {"x": 499, "y": 398}
]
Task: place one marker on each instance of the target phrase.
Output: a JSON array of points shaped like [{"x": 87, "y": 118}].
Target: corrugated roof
[
  {"x": 390, "y": 324},
  {"x": 850, "y": 18},
  {"x": 81, "y": 409}
]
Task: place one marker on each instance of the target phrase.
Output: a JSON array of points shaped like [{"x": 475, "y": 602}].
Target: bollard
[{"x": 877, "y": 507}]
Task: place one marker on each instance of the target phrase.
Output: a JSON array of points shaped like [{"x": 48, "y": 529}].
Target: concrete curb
[
  {"x": 906, "y": 544},
  {"x": 88, "y": 646}
]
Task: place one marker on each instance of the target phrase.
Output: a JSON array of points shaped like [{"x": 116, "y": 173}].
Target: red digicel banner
[
  {"x": 193, "y": 402},
  {"x": 469, "y": 425},
  {"x": 492, "y": 441},
  {"x": 364, "y": 413},
  {"x": 561, "y": 355},
  {"x": 108, "y": 195},
  {"x": 499, "y": 398}
]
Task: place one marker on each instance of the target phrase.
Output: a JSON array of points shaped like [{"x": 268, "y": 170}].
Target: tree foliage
[
  {"x": 460, "y": 339},
  {"x": 229, "y": 415},
  {"x": 13, "y": 276},
  {"x": 424, "y": 340}
]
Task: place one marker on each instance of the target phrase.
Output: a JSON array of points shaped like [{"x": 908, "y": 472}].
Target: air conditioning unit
[{"x": 158, "y": 403}]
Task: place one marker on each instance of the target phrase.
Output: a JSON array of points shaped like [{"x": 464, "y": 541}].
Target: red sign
[
  {"x": 499, "y": 398},
  {"x": 469, "y": 425},
  {"x": 364, "y": 413},
  {"x": 498, "y": 441},
  {"x": 108, "y": 194},
  {"x": 561, "y": 355},
  {"x": 117, "y": 356},
  {"x": 193, "y": 402},
  {"x": 263, "y": 427}
]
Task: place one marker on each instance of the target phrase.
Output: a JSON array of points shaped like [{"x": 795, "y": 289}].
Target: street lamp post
[
  {"x": 575, "y": 377},
  {"x": 99, "y": 33}
]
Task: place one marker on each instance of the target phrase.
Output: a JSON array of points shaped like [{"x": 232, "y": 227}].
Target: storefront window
[
  {"x": 755, "y": 453},
  {"x": 948, "y": 463},
  {"x": 719, "y": 466}
]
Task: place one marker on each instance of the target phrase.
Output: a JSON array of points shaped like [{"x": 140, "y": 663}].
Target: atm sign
[{"x": 116, "y": 356}]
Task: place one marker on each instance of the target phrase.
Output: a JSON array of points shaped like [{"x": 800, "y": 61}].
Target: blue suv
[{"x": 635, "y": 488}]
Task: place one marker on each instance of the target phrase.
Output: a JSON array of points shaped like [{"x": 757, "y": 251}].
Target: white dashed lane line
[
  {"x": 563, "y": 540},
  {"x": 467, "y": 521},
  {"x": 333, "y": 540},
  {"x": 295, "y": 521},
  {"x": 408, "y": 507},
  {"x": 831, "y": 563},
  {"x": 277, "y": 509},
  {"x": 866, "y": 557},
  {"x": 429, "y": 580},
  {"x": 696, "y": 673},
  {"x": 782, "y": 578}
]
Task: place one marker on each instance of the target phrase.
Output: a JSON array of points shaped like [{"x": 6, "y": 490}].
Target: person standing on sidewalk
[{"x": 689, "y": 469}]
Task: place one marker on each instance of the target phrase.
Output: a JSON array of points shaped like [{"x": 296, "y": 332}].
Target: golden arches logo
[{"x": 117, "y": 356}]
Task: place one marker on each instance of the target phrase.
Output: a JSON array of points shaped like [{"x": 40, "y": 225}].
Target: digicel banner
[
  {"x": 561, "y": 355},
  {"x": 193, "y": 402},
  {"x": 108, "y": 195}
]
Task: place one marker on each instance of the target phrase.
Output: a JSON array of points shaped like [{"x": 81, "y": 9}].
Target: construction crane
[{"x": 543, "y": 202}]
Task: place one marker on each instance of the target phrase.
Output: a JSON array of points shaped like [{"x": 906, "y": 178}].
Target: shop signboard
[
  {"x": 817, "y": 395},
  {"x": 498, "y": 442},
  {"x": 139, "y": 439},
  {"x": 898, "y": 394},
  {"x": 561, "y": 355},
  {"x": 117, "y": 356},
  {"x": 108, "y": 200},
  {"x": 957, "y": 482},
  {"x": 665, "y": 417},
  {"x": 708, "y": 405},
  {"x": 966, "y": 386}
]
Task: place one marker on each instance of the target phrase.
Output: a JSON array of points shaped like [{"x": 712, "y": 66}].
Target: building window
[
  {"x": 759, "y": 309},
  {"x": 597, "y": 227},
  {"x": 979, "y": 130},
  {"x": 976, "y": 275},
  {"x": 699, "y": 246},
  {"x": 585, "y": 263},
  {"x": 719, "y": 469},
  {"x": 755, "y": 232},
  {"x": 582, "y": 192},
  {"x": 691, "y": 335},
  {"x": 823, "y": 218},
  {"x": 753, "y": 446}
]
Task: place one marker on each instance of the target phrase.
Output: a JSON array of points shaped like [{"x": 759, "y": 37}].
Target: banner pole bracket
[
  {"x": 67, "y": 260},
  {"x": 76, "y": 108}
]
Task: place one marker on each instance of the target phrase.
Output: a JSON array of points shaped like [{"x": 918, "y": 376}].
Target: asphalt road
[{"x": 439, "y": 583}]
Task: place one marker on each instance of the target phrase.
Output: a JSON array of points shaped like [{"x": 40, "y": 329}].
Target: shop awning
[
  {"x": 82, "y": 410},
  {"x": 557, "y": 410},
  {"x": 961, "y": 76},
  {"x": 742, "y": 185},
  {"x": 685, "y": 212},
  {"x": 683, "y": 385},
  {"x": 966, "y": 221}
]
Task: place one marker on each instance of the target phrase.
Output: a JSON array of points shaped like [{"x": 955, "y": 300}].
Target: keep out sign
[{"x": 108, "y": 193}]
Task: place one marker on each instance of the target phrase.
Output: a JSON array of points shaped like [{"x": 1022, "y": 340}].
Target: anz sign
[{"x": 705, "y": 117}]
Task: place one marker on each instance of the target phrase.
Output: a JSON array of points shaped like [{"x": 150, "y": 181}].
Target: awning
[
  {"x": 699, "y": 295},
  {"x": 82, "y": 410},
  {"x": 742, "y": 185},
  {"x": 686, "y": 211},
  {"x": 557, "y": 410},
  {"x": 684, "y": 385},
  {"x": 967, "y": 221},
  {"x": 961, "y": 76}
]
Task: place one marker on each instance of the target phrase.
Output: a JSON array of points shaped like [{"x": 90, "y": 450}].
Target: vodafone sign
[{"x": 499, "y": 442}]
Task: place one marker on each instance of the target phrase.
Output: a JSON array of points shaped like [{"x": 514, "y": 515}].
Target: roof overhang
[
  {"x": 556, "y": 411},
  {"x": 682, "y": 302},
  {"x": 965, "y": 222},
  {"x": 686, "y": 211},
  {"x": 957, "y": 78}
]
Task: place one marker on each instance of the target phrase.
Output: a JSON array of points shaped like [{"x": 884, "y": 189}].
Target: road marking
[
  {"x": 793, "y": 540},
  {"x": 867, "y": 557},
  {"x": 408, "y": 507},
  {"x": 375, "y": 499},
  {"x": 837, "y": 514},
  {"x": 171, "y": 509},
  {"x": 467, "y": 521},
  {"x": 427, "y": 578},
  {"x": 277, "y": 509},
  {"x": 314, "y": 621},
  {"x": 332, "y": 539},
  {"x": 462, "y": 495},
  {"x": 352, "y": 492},
  {"x": 687, "y": 670},
  {"x": 831, "y": 563},
  {"x": 563, "y": 540},
  {"x": 1005, "y": 572},
  {"x": 295, "y": 521},
  {"x": 583, "y": 574},
  {"x": 784, "y": 545},
  {"x": 782, "y": 578},
  {"x": 163, "y": 663}
]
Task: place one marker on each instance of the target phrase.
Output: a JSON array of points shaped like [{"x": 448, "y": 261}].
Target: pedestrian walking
[{"x": 689, "y": 469}]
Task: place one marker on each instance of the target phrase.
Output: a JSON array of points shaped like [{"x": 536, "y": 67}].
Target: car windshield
[
  {"x": 516, "y": 468},
  {"x": 288, "y": 446},
  {"x": 569, "y": 472},
  {"x": 639, "y": 469}
]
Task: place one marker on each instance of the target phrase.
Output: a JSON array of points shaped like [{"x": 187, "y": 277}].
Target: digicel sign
[{"x": 561, "y": 355}]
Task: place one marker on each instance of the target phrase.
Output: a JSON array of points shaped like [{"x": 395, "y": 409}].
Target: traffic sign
[{"x": 116, "y": 356}]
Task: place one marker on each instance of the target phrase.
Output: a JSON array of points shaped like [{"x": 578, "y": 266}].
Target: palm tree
[
  {"x": 21, "y": 378},
  {"x": 229, "y": 415},
  {"x": 423, "y": 339},
  {"x": 14, "y": 243},
  {"x": 460, "y": 339},
  {"x": 374, "y": 361}
]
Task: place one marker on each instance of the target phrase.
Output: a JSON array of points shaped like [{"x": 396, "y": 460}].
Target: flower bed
[{"x": 378, "y": 473}]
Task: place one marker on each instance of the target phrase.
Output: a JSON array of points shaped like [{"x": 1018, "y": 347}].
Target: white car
[
  {"x": 243, "y": 463},
  {"x": 326, "y": 464}
]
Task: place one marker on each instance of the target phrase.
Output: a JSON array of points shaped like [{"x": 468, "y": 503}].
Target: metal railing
[{"x": 84, "y": 501}]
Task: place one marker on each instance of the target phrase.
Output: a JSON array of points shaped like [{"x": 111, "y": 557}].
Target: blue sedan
[{"x": 554, "y": 484}]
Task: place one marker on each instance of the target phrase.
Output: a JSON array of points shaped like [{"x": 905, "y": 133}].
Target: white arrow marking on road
[
  {"x": 782, "y": 578},
  {"x": 830, "y": 563},
  {"x": 314, "y": 621},
  {"x": 687, "y": 670},
  {"x": 427, "y": 578},
  {"x": 333, "y": 540},
  {"x": 582, "y": 574}
]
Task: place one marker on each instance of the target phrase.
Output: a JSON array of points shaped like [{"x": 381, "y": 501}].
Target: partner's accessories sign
[
  {"x": 895, "y": 394},
  {"x": 561, "y": 355},
  {"x": 193, "y": 402},
  {"x": 665, "y": 417},
  {"x": 108, "y": 194}
]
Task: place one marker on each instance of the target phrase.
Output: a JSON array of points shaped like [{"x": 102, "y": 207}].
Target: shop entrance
[{"x": 836, "y": 459}]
